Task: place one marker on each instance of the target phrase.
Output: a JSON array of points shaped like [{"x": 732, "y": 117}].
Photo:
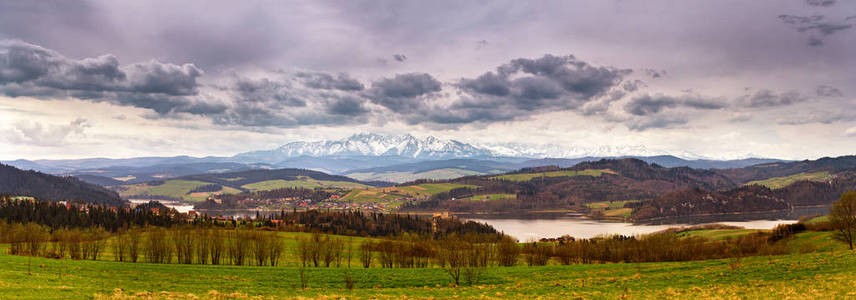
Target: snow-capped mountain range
[
  {"x": 369, "y": 144},
  {"x": 408, "y": 146}
]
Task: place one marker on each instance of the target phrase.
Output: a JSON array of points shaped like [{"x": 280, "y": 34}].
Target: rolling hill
[
  {"x": 189, "y": 188},
  {"x": 435, "y": 170},
  {"x": 16, "y": 182},
  {"x": 572, "y": 188}
]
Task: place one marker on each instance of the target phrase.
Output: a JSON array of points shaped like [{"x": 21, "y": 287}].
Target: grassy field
[
  {"x": 438, "y": 174},
  {"x": 564, "y": 173},
  {"x": 780, "y": 182},
  {"x": 718, "y": 234},
  {"x": 391, "y": 193},
  {"x": 612, "y": 209},
  {"x": 818, "y": 275},
  {"x": 301, "y": 182},
  {"x": 489, "y": 197},
  {"x": 202, "y": 196},
  {"x": 173, "y": 188}
]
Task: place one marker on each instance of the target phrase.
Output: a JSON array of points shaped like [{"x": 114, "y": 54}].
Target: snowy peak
[{"x": 369, "y": 144}]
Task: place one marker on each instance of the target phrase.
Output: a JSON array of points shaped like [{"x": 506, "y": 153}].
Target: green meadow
[
  {"x": 388, "y": 194},
  {"x": 564, "y": 173},
  {"x": 820, "y": 275},
  {"x": 301, "y": 182},
  {"x": 175, "y": 188},
  {"x": 780, "y": 182},
  {"x": 823, "y": 272}
]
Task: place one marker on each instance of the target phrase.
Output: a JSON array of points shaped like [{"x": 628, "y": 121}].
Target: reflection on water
[
  {"x": 526, "y": 229},
  {"x": 548, "y": 226},
  {"x": 180, "y": 207}
]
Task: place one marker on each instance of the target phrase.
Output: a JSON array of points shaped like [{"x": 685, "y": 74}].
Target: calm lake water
[
  {"x": 180, "y": 207},
  {"x": 555, "y": 225},
  {"x": 526, "y": 229}
]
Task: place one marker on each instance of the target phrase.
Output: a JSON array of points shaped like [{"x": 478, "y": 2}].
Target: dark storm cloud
[
  {"x": 769, "y": 98},
  {"x": 341, "y": 81},
  {"x": 647, "y": 105},
  {"x": 399, "y": 57},
  {"x": 404, "y": 92}
]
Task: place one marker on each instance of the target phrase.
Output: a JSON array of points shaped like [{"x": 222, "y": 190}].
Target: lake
[
  {"x": 526, "y": 229},
  {"x": 179, "y": 206},
  {"x": 538, "y": 226}
]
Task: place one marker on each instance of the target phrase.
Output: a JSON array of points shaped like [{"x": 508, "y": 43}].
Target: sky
[{"x": 699, "y": 79}]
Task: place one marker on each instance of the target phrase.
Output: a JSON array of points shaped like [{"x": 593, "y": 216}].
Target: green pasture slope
[
  {"x": 824, "y": 274},
  {"x": 565, "y": 173},
  {"x": 371, "y": 195},
  {"x": 174, "y": 188},
  {"x": 301, "y": 182},
  {"x": 780, "y": 182}
]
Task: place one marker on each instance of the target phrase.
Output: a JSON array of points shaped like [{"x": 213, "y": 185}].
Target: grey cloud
[
  {"x": 277, "y": 94},
  {"x": 820, "y": 2},
  {"x": 403, "y": 92},
  {"x": 828, "y": 91},
  {"x": 816, "y": 26},
  {"x": 575, "y": 76},
  {"x": 488, "y": 83},
  {"x": 399, "y": 57},
  {"x": 655, "y": 73},
  {"x": 524, "y": 87},
  {"x": 647, "y": 105},
  {"x": 153, "y": 77},
  {"x": 341, "y": 81},
  {"x": 822, "y": 117},
  {"x": 30, "y": 70},
  {"x": 281, "y": 102},
  {"x": 768, "y": 98},
  {"x": 348, "y": 106},
  {"x": 659, "y": 122},
  {"x": 481, "y": 44},
  {"x": 633, "y": 85}
]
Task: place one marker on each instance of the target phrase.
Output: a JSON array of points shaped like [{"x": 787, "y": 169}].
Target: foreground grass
[{"x": 821, "y": 275}]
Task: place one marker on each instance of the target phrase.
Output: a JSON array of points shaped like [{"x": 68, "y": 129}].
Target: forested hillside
[
  {"x": 748, "y": 198},
  {"x": 562, "y": 188},
  {"x": 14, "y": 181}
]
